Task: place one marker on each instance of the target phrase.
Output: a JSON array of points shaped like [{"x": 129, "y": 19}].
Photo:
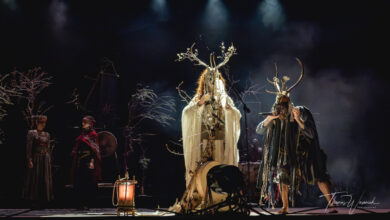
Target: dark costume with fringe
[{"x": 290, "y": 155}]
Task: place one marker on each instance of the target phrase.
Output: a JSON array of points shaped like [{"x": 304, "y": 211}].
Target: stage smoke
[
  {"x": 215, "y": 21},
  {"x": 272, "y": 14},
  {"x": 160, "y": 9},
  {"x": 58, "y": 14},
  {"x": 11, "y": 4}
]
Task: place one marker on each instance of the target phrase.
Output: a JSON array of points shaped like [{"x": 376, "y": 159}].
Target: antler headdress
[
  {"x": 212, "y": 75},
  {"x": 212, "y": 79},
  {"x": 193, "y": 57},
  {"x": 280, "y": 85}
]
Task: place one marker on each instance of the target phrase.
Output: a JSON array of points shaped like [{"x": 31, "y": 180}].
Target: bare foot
[
  {"x": 332, "y": 209},
  {"x": 283, "y": 211}
]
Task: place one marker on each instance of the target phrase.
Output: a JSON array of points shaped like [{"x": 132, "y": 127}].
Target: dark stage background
[{"x": 343, "y": 46}]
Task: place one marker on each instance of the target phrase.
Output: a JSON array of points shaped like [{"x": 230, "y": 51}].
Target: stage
[
  {"x": 197, "y": 101},
  {"x": 143, "y": 212}
]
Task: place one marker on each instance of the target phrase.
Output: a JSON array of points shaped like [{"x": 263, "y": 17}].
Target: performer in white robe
[{"x": 195, "y": 136}]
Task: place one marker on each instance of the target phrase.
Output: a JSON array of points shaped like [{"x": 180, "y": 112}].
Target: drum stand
[{"x": 186, "y": 199}]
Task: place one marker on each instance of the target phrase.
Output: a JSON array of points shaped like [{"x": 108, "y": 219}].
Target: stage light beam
[
  {"x": 58, "y": 15},
  {"x": 11, "y": 4},
  {"x": 216, "y": 15},
  {"x": 271, "y": 12},
  {"x": 160, "y": 9}
]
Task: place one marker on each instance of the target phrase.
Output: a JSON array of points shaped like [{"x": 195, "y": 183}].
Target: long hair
[{"x": 200, "y": 82}]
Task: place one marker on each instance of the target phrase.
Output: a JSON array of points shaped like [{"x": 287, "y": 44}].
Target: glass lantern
[{"x": 124, "y": 191}]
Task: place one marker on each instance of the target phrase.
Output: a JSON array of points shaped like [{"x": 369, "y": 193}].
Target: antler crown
[
  {"x": 192, "y": 55},
  {"x": 280, "y": 85}
]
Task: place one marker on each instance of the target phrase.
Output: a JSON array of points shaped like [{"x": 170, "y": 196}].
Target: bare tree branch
[
  {"x": 145, "y": 104},
  {"x": 249, "y": 90},
  {"x": 29, "y": 85},
  {"x": 6, "y": 93},
  {"x": 183, "y": 94}
]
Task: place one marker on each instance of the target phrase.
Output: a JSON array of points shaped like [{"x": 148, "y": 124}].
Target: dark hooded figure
[
  {"x": 86, "y": 164},
  {"x": 291, "y": 152}
]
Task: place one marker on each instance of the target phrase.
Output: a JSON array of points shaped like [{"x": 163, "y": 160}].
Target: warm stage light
[{"x": 124, "y": 190}]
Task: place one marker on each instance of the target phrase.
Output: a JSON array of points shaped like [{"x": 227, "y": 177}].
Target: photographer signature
[{"x": 349, "y": 202}]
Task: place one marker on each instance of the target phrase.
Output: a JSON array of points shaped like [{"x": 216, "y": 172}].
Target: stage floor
[{"x": 141, "y": 212}]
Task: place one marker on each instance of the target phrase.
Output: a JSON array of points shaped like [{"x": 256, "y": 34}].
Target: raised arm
[
  {"x": 305, "y": 121},
  {"x": 262, "y": 126}
]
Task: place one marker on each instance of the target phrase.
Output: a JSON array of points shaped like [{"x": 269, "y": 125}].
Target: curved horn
[
  {"x": 276, "y": 79},
  {"x": 276, "y": 70},
  {"x": 270, "y": 81},
  {"x": 211, "y": 60},
  {"x": 275, "y": 93},
  {"x": 300, "y": 77},
  {"x": 214, "y": 60}
]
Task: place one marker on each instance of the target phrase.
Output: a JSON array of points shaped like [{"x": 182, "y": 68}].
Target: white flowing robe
[{"x": 226, "y": 153}]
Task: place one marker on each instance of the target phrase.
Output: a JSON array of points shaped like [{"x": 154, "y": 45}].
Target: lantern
[{"x": 124, "y": 190}]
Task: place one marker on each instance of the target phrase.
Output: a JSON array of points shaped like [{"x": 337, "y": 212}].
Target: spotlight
[
  {"x": 272, "y": 15},
  {"x": 58, "y": 15},
  {"x": 216, "y": 15},
  {"x": 160, "y": 8}
]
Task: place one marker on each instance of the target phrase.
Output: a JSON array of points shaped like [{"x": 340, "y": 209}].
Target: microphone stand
[{"x": 246, "y": 110}]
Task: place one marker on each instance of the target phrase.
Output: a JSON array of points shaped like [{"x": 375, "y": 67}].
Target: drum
[
  {"x": 211, "y": 184},
  {"x": 107, "y": 143},
  {"x": 196, "y": 195}
]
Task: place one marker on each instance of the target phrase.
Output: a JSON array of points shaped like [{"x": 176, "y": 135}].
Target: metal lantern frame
[{"x": 125, "y": 200}]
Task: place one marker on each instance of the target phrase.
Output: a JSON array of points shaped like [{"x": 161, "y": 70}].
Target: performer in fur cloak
[{"x": 291, "y": 150}]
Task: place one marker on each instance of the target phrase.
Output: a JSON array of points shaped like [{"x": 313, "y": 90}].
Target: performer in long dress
[
  {"x": 195, "y": 126},
  {"x": 38, "y": 187},
  {"x": 210, "y": 132}
]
